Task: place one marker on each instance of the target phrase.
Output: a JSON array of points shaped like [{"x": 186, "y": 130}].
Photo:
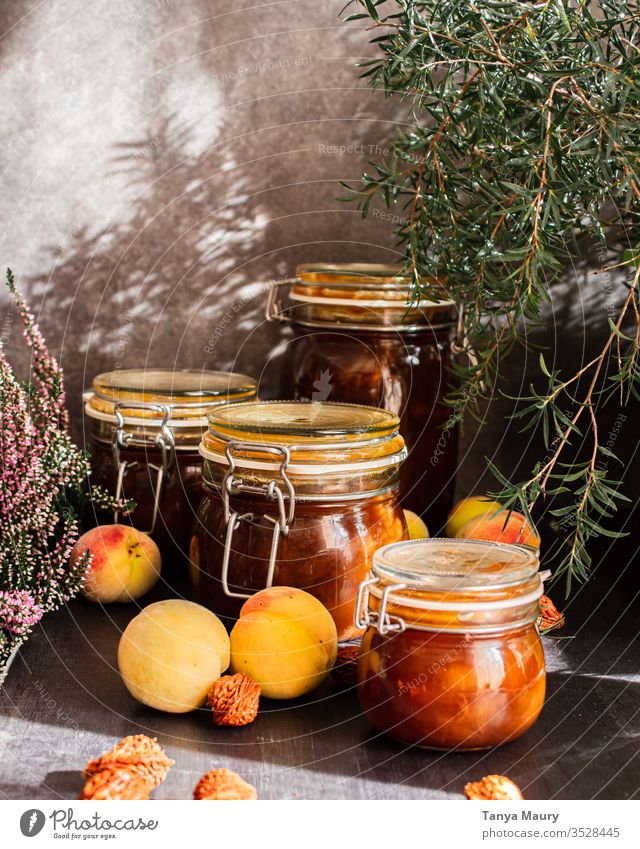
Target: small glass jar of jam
[
  {"x": 146, "y": 426},
  {"x": 451, "y": 658},
  {"x": 297, "y": 494},
  {"x": 358, "y": 340}
]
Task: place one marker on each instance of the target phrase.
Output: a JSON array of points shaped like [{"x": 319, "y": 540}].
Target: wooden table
[{"x": 64, "y": 703}]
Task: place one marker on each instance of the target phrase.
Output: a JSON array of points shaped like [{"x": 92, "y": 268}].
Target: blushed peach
[
  {"x": 467, "y": 509},
  {"x": 125, "y": 565},
  {"x": 498, "y": 528}
]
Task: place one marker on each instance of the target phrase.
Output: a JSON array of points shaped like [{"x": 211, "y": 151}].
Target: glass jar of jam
[
  {"x": 358, "y": 340},
  {"x": 146, "y": 426},
  {"x": 451, "y": 658},
  {"x": 297, "y": 494}
]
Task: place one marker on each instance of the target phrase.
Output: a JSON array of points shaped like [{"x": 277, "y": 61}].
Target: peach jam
[
  {"x": 357, "y": 339},
  {"x": 297, "y": 494},
  {"x": 451, "y": 658},
  {"x": 146, "y": 425}
]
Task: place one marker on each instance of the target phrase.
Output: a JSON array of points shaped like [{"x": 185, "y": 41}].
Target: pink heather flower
[
  {"x": 18, "y": 612},
  {"x": 42, "y": 475},
  {"x": 47, "y": 374}
]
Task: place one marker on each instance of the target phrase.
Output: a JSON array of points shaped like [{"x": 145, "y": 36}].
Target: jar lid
[
  {"x": 144, "y": 394},
  {"x": 454, "y": 565},
  {"x": 361, "y": 285},
  {"x": 316, "y": 436},
  {"x": 456, "y": 583}
]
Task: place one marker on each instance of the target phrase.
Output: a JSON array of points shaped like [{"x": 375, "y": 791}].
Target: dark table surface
[{"x": 63, "y": 704}]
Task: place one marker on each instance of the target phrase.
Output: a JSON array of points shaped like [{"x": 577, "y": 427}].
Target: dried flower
[
  {"x": 131, "y": 770},
  {"x": 493, "y": 787},
  {"x": 550, "y": 617},
  {"x": 234, "y": 700},
  {"x": 223, "y": 784}
]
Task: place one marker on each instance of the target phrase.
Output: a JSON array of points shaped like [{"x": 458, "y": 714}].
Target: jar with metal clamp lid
[
  {"x": 297, "y": 494},
  {"x": 146, "y": 425},
  {"x": 451, "y": 658},
  {"x": 358, "y": 340}
]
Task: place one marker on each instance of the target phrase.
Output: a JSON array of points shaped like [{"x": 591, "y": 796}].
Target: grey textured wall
[{"x": 161, "y": 159}]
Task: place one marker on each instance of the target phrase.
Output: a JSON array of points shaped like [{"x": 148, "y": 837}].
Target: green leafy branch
[{"x": 526, "y": 134}]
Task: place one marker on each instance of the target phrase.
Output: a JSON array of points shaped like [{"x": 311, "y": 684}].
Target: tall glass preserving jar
[
  {"x": 357, "y": 340},
  {"x": 145, "y": 428},
  {"x": 451, "y": 657},
  {"x": 297, "y": 494}
]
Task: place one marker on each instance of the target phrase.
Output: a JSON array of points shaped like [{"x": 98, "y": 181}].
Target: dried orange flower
[
  {"x": 496, "y": 787},
  {"x": 550, "y": 617},
  {"x": 345, "y": 670},
  {"x": 131, "y": 770},
  {"x": 234, "y": 700},
  {"x": 223, "y": 784}
]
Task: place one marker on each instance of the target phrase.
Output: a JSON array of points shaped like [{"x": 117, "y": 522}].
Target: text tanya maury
[{"x": 523, "y": 816}]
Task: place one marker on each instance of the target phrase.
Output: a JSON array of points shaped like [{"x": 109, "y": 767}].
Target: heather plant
[{"x": 44, "y": 481}]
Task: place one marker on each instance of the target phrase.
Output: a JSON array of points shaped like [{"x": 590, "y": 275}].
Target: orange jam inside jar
[
  {"x": 145, "y": 429},
  {"x": 297, "y": 494},
  {"x": 358, "y": 338},
  {"x": 451, "y": 658}
]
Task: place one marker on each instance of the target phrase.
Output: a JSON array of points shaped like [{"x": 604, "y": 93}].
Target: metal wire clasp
[
  {"x": 164, "y": 440},
  {"x": 274, "y": 310},
  {"x": 379, "y": 619},
  {"x": 271, "y": 491}
]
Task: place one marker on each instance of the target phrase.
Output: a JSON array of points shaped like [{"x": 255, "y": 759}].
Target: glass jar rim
[
  {"x": 410, "y": 588},
  {"x": 361, "y": 285},
  {"x": 361, "y": 272},
  {"x": 173, "y": 385},
  {"x": 443, "y": 565},
  {"x": 314, "y": 421},
  {"x": 354, "y": 272},
  {"x": 310, "y": 437},
  {"x": 150, "y": 395}
]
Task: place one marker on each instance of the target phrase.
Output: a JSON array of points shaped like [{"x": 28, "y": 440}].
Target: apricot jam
[
  {"x": 356, "y": 339},
  {"x": 451, "y": 658},
  {"x": 146, "y": 426},
  {"x": 297, "y": 494}
]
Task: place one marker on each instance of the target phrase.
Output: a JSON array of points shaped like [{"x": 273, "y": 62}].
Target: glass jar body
[
  {"x": 180, "y": 493},
  {"x": 407, "y": 372},
  {"x": 446, "y": 690},
  {"x": 327, "y": 550}
]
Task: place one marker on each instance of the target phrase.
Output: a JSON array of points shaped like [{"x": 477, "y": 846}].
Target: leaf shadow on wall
[
  {"x": 148, "y": 289},
  {"x": 178, "y": 279}
]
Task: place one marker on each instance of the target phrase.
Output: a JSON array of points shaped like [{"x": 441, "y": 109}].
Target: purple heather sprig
[
  {"x": 47, "y": 379},
  {"x": 42, "y": 475},
  {"x": 18, "y": 612}
]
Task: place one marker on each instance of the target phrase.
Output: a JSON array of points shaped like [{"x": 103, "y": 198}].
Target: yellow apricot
[
  {"x": 286, "y": 640},
  {"x": 416, "y": 527},
  {"x": 171, "y": 653}
]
